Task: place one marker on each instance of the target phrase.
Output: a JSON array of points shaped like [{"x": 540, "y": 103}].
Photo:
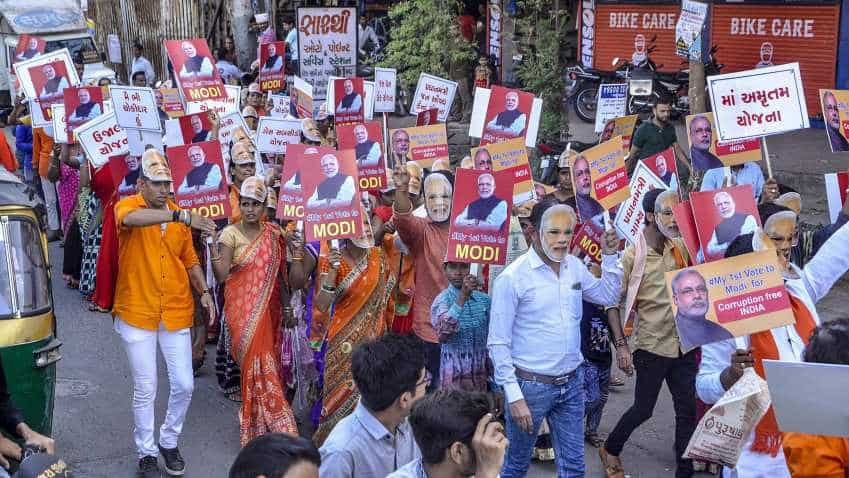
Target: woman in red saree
[
  {"x": 250, "y": 260},
  {"x": 352, "y": 303}
]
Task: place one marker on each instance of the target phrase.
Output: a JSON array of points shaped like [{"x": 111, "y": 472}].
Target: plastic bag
[{"x": 725, "y": 428}]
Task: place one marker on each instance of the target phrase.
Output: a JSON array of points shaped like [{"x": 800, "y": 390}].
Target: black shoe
[
  {"x": 174, "y": 463},
  {"x": 149, "y": 468}
]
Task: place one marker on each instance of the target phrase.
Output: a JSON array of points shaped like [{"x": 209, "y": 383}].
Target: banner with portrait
[
  {"x": 421, "y": 144},
  {"x": 500, "y": 114},
  {"x": 707, "y": 152},
  {"x": 587, "y": 237},
  {"x": 836, "y": 185},
  {"x": 194, "y": 68},
  {"x": 480, "y": 216},
  {"x": 195, "y": 128},
  {"x": 608, "y": 174},
  {"x": 125, "y": 170},
  {"x": 327, "y": 45},
  {"x": 170, "y": 102},
  {"x": 664, "y": 166},
  {"x": 135, "y": 107},
  {"x": 510, "y": 156},
  {"x": 622, "y": 126},
  {"x": 44, "y": 78},
  {"x": 29, "y": 47},
  {"x": 721, "y": 215},
  {"x": 730, "y": 298},
  {"x": 366, "y": 139},
  {"x": 199, "y": 179},
  {"x": 835, "y": 114},
  {"x": 81, "y": 104},
  {"x": 272, "y": 62},
  {"x": 331, "y": 195},
  {"x": 348, "y": 101},
  {"x": 301, "y": 98},
  {"x": 290, "y": 200}
]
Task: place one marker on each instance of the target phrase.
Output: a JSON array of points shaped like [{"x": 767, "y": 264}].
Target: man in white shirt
[
  {"x": 141, "y": 63},
  {"x": 535, "y": 339},
  {"x": 291, "y": 38},
  {"x": 230, "y": 73}
]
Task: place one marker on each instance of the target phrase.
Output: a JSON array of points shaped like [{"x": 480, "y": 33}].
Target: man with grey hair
[
  {"x": 831, "y": 113},
  {"x": 337, "y": 189},
  {"x": 488, "y": 211},
  {"x": 690, "y": 296},
  {"x": 731, "y": 225},
  {"x": 701, "y": 139},
  {"x": 511, "y": 122}
]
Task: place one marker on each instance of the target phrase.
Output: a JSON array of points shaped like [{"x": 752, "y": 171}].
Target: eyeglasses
[
  {"x": 689, "y": 291},
  {"x": 426, "y": 380}
]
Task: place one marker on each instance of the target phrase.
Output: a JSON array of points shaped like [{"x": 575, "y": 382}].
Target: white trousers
[
  {"x": 176, "y": 348},
  {"x": 52, "y": 203}
]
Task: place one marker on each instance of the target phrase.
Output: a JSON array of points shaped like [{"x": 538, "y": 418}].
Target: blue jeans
[
  {"x": 563, "y": 406},
  {"x": 596, "y": 385}
]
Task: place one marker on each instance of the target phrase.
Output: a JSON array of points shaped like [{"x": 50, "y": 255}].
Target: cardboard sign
[
  {"x": 197, "y": 77},
  {"x": 721, "y": 215},
  {"x": 195, "y": 128},
  {"x": 327, "y": 45},
  {"x": 230, "y": 104},
  {"x": 664, "y": 167},
  {"x": 729, "y": 298},
  {"x": 489, "y": 104},
  {"x": 169, "y": 101},
  {"x": 760, "y": 102},
  {"x": 820, "y": 413},
  {"x": 135, "y": 107},
  {"x": 80, "y": 104},
  {"x": 427, "y": 117},
  {"x": 707, "y": 152},
  {"x": 835, "y": 114},
  {"x": 102, "y": 138},
  {"x": 281, "y": 106},
  {"x": 366, "y": 139},
  {"x": 587, "y": 238},
  {"x": 480, "y": 216},
  {"x": 125, "y": 170},
  {"x": 60, "y": 125},
  {"x": 623, "y": 126},
  {"x": 199, "y": 179},
  {"x": 331, "y": 193},
  {"x": 434, "y": 92},
  {"x": 630, "y": 218},
  {"x": 301, "y": 96},
  {"x": 290, "y": 200},
  {"x": 229, "y": 123},
  {"x": 113, "y": 48},
  {"x": 273, "y": 134},
  {"x": 272, "y": 59},
  {"x": 688, "y": 29},
  {"x": 349, "y": 103},
  {"x": 508, "y": 156},
  {"x": 683, "y": 212},
  {"x": 29, "y": 47},
  {"x": 45, "y": 77},
  {"x": 138, "y": 140},
  {"x": 421, "y": 144},
  {"x": 611, "y": 103},
  {"x": 385, "y": 82},
  {"x": 608, "y": 173},
  {"x": 836, "y": 185}
]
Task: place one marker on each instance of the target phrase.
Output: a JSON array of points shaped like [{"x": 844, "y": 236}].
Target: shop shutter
[{"x": 618, "y": 24}]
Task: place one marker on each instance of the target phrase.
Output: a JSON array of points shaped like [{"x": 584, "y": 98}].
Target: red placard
[
  {"x": 771, "y": 300},
  {"x": 480, "y": 216},
  {"x": 366, "y": 139},
  {"x": 427, "y": 117},
  {"x": 49, "y": 81},
  {"x": 82, "y": 104},
  {"x": 125, "y": 170},
  {"x": 290, "y": 200},
  {"x": 588, "y": 239},
  {"x": 683, "y": 212},
  {"x": 29, "y": 46},
  {"x": 272, "y": 59},
  {"x": 349, "y": 96},
  {"x": 664, "y": 166},
  {"x": 507, "y": 115},
  {"x": 722, "y": 215},
  {"x": 196, "y": 128},
  {"x": 331, "y": 195},
  {"x": 199, "y": 181},
  {"x": 194, "y": 66}
]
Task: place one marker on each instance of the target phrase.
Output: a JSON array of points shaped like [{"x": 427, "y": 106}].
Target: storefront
[{"x": 748, "y": 34}]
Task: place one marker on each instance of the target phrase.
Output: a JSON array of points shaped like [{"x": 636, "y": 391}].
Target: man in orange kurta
[{"x": 153, "y": 303}]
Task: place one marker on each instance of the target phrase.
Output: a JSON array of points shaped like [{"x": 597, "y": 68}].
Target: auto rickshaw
[{"x": 28, "y": 343}]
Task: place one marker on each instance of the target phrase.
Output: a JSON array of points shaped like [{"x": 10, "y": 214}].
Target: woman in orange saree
[
  {"x": 251, "y": 259},
  {"x": 353, "y": 303}
]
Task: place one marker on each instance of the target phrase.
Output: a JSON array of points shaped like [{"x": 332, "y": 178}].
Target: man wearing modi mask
[
  {"x": 534, "y": 337},
  {"x": 723, "y": 362},
  {"x": 426, "y": 240}
]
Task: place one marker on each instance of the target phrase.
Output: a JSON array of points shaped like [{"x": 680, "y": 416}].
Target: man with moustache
[
  {"x": 426, "y": 240},
  {"x": 128, "y": 184},
  {"x": 658, "y": 354},
  {"x": 488, "y": 211},
  {"x": 690, "y": 295},
  {"x": 368, "y": 151},
  {"x": 733, "y": 224},
  {"x": 701, "y": 138},
  {"x": 510, "y": 123},
  {"x": 196, "y": 66},
  {"x": 658, "y": 135},
  {"x": 483, "y": 160},
  {"x": 588, "y": 208},
  {"x": 400, "y": 147},
  {"x": 535, "y": 337},
  {"x": 832, "y": 123},
  {"x": 336, "y": 189}
]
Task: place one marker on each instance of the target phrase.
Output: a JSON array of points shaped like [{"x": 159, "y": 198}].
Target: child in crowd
[{"x": 595, "y": 347}]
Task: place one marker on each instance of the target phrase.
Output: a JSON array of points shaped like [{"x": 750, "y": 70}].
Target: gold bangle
[{"x": 297, "y": 258}]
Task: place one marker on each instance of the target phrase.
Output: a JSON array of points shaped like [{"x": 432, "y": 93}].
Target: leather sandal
[{"x": 612, "y": 465}]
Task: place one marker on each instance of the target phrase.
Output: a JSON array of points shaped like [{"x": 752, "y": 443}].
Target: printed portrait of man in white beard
[
  {"x": 555, "y": 231},
  {"x": 438, "y": 191}
]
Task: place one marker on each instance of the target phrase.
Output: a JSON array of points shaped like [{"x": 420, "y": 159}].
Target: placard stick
[
  {"x": 608, "y": 224},
  {"x": 334, "y": 243},
  {"x": 766, "y": 157},
  {"x": 386, "y": 137}
]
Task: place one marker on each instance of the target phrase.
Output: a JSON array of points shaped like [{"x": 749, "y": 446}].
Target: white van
[{"x": 60, "y": 23}]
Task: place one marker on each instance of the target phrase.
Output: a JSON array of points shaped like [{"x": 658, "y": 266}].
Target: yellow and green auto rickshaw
[{"x": 28, "y": 342}]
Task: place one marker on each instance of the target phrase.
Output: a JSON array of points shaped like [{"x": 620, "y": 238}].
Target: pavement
[{"x": 93, "y": 420}]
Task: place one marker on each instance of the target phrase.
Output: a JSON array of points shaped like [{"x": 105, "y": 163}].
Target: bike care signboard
[
  {"x": 758, "y": 102},
  {"x": 327, "y": 45},
  {"x": 612, "y": 99}
]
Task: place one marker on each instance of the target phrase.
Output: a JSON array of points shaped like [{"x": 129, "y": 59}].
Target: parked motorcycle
[
  {"x": 582, "y": 89},
  {"x": 550, "y": 152}
]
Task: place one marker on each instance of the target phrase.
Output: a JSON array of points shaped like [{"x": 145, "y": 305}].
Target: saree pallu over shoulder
[{"x": 254, "y": 311}]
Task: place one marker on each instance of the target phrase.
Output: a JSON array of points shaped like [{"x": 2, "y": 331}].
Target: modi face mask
[
  {"x": 438, "y": 192},
  {"x": 555, "y": 231},
  {"x": 781, "y": 230}
]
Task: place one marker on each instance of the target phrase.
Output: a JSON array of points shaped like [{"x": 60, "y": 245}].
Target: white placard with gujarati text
[
  {"x": 101, "y": 138},
  {"x": 385, "y": 82},
  {"x": 327, "y": 45},
  {"x": 60, "y": 127},
  {"x": 630, "y": 218},
  {"x": 273, "y": 134},
  {"x": 135, "y": 107},
  {"x": 761, "y": 102},
  {"x": 433, "y": 92}
]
